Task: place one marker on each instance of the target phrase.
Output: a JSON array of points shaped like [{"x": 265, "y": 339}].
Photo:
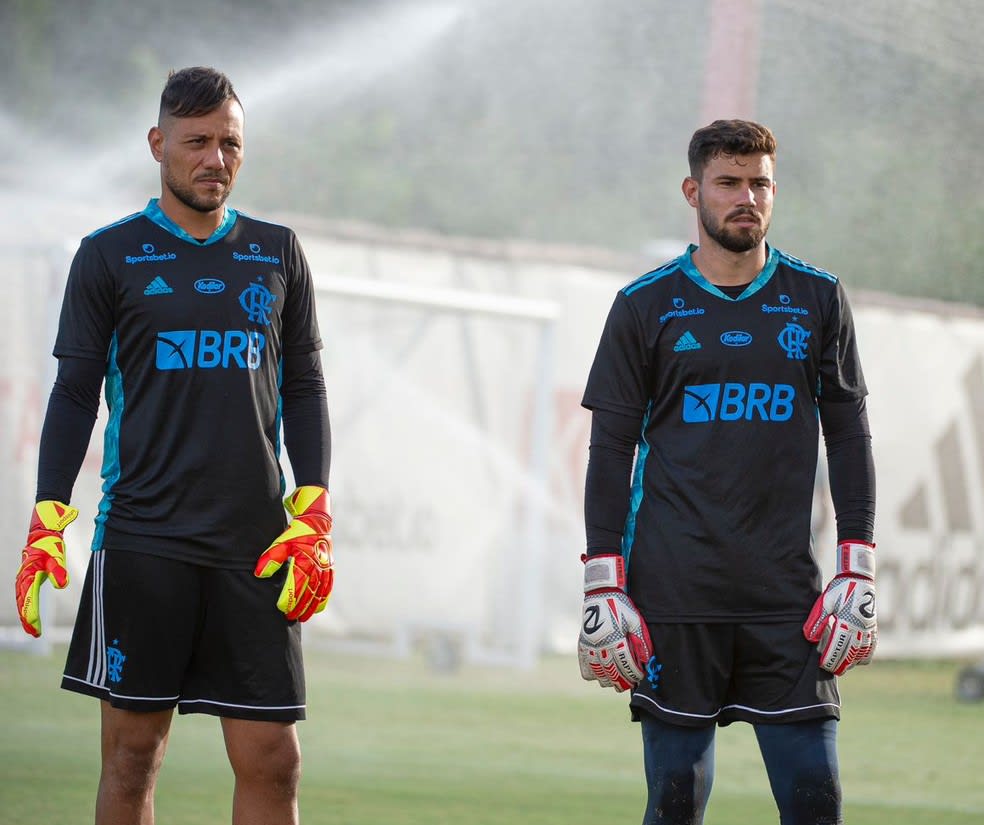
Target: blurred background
[
  {"x": 472, "y": 182},
  {"x": 560, "y": 122}
]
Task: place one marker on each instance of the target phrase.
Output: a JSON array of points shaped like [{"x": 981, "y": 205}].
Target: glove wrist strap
[
  {"x": 604, "y": 572},
  {"x": 856, "y": 558},
  {"x": 52, "y": 515}
]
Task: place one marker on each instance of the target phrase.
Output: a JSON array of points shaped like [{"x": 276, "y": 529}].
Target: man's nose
[{"x": 214, "y": 159}]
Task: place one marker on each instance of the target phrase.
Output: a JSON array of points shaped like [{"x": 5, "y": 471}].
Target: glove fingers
[
  {"x": 582, "y": 662},
  {"x": 271, "y": 561},
  {"x": 287, "y": 601},
  {"x": 816, "y": 622},
  {"x": 641, "y": 652},
  {"x": 28, "y": 602},
  {"x": 609, "y": 673},
  {"x": 324, "y": 590},
  {"x": 835, "y": 647},
  {"x": 57, "y": 573},
  {"x": 599, "y": 673},
  {"x": 305, "y": 607}
]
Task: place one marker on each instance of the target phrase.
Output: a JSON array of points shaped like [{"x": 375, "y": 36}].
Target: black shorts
[
  {"x": 707, "y": 674},
  {"x": 153, "y": 633}
]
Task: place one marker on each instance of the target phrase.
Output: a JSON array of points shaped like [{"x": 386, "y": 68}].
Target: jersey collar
[
  {"x": 154, "y": 212},
  {"x": 691, "y": 271}
]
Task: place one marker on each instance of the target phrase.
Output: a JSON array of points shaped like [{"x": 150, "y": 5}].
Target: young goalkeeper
[{"x": 703, "y": 597}]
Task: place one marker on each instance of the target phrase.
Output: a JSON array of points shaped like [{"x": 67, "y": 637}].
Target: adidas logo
[
  {"x": 157, "y": 287},
  {"x": 686, "y": 342}
]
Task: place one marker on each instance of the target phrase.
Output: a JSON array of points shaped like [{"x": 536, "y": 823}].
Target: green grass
[{"x": 391, "y": 742}]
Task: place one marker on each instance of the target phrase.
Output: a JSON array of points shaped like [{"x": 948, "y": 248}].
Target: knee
[
  {"x": 680, "y": 796},
  {"x": 276, "y": 765},
  {"x": 814, "y": 799},
  {"x": 132, "y": 764}
]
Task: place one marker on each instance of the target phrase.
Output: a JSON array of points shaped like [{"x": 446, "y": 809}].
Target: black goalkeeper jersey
[
  {"x": 726, "y": 391},
  {"x": 193, "y": 335}
]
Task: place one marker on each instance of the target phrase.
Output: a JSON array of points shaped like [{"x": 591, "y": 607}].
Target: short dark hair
[
  {"x": 195, "y": 91},
  {"x": 729, "y": 137}
]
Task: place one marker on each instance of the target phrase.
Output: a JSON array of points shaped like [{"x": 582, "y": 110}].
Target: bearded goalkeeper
[
  {"x": 201, "y": 322},
  {"x": 713, "y": 378}
]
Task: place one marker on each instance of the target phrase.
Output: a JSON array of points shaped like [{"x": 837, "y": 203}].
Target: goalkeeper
[
  {"x": 703, "y": 595},
  {"x": 201, "y": 321}
]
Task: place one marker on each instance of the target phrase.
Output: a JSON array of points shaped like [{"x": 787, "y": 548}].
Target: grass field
[{"x": 394, "y": 743}]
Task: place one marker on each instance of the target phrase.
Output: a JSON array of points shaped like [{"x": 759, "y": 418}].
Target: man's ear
[
  {"x": 691, "y": 190},
  {"x": 155, "y": 138}
]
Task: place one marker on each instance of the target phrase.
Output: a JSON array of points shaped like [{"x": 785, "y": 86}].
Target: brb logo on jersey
[
  {"x": 256, "y": 299},
  {"x": 793, "y": 340},
  {"x": 703, "y": 403},
  {"x": 185, "y": 349}
]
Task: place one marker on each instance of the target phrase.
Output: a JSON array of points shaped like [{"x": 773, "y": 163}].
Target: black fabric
[
  {"x": 72, "y": 410},
  {"x": 607, "y": 484},
  {"x": 719, "y": 673},
  {"x": 194, "y": 339},
  {"x": 850, "y": 470},
  {"x": 153, "y": 633},
  {"x": 725, "y": 396},
  {"x": 307, "y": 430},
  {"x": 850, "y": 467}
]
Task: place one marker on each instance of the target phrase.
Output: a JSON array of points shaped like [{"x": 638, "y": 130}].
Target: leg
[
  {"x": 133, "y": 746},
  {"x": 801, "y": 759},
  {"x": 266, "y": 761},
  {"x": 679, "y": 771}
]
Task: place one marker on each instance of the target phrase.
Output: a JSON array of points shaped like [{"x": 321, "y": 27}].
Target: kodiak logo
[
  {"x": 736, "y": 338},
  {"x": 254, "y": 255},
  {"x": 209, "y": 286},
  {"x": 150, "y": 255}
]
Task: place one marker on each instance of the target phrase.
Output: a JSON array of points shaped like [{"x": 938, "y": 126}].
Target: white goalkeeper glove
[
  {"x": 843, "y": 623},
  {"x": 614, "y": 645}
]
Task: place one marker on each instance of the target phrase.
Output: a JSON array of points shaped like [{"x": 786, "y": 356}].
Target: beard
[
  {"x": 734, "y": 239},
  {"x": 190, "y": 198}
]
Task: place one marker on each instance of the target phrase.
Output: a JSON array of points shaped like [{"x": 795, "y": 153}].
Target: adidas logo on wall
[
  {"x": 686, "y": 342},
  {"x": 157, "y": 287}
]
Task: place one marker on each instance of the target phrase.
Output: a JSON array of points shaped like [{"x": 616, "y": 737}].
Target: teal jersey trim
[
  {"x": 277, "y": 426},
  {"x": 111, "y": 442},
  {"x": 635, "y": 501},
  {"x": 651, "y": 277},
  {"x": 802, "y": 266},
  {"x": 771, "y": 262},
  {"x": 154, "y": 213},
  {"x": 120, "y": 222}
]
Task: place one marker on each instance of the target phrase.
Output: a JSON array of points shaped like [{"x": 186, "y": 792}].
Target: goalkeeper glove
[
  {"x": 305, "y": 546},
  {"x": 43, "y": 558},
  {"x": 843, "y": 622},
  {"x": 614, "y": 645}
]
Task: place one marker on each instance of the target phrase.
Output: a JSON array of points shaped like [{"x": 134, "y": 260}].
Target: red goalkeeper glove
[
  {"x": 843, "y": 623},
  {"x": 614, "y": 645},
  {"x": 43, "y": 558},
  {"x": 305, "y": 546}
]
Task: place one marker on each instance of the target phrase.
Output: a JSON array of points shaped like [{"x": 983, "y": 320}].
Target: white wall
[{"x": 444, "y": 519}]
